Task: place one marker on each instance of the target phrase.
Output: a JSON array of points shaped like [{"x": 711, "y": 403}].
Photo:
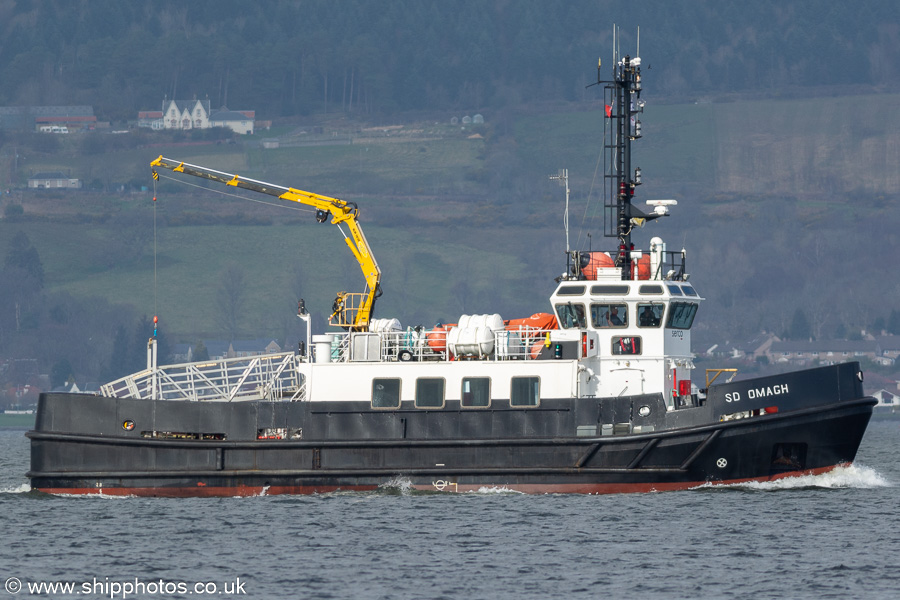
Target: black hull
[{"x": 333, "y": 454}]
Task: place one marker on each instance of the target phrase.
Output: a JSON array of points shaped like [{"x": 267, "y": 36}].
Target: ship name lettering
[
  {"x": 775, "y": 390},
  {"x": 732, "y": 397}
]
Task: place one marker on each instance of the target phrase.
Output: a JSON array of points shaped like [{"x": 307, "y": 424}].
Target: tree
[
  {"x": 119, "y": 361},
  {"x": 13, "y": 212},
  {"x": 200, "y": 352},
  {"x": 60, "y": 373},
  {"x": 230, "y": 298},
  {"x": 22, "y": 255},
  {"x": 799, "y": 329},
  {"x": 893, "y": 324}
]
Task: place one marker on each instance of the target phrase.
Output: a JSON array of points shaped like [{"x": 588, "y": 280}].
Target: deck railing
[
  {"x": 276, "y": 377},
  {"x": 266, "y": 377},
  {"x": 432, "y": 345}
]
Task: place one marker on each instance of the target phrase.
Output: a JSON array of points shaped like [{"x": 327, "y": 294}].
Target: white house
[
  {"x": 185, "y": 114},
  {"x": 53, "y": 181},
  {"x": 152, "y": 119},
  {"x": 196, "y": 114},
  {"x": 887, "y": 402},
  {"x": 238, "y": 121},
  {"x": 245, "y": 348}
]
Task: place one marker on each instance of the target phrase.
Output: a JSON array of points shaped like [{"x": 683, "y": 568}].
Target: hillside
[
  {"x": 378, "y": 59},
  {"x": 771, "y": 122},
  {"x": 433, "y": 204}
]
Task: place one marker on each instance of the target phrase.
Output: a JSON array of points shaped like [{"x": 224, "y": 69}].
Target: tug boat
[{"x": 599, "y": 395}]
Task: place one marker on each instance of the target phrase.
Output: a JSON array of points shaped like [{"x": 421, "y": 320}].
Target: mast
[{"x": 623, "y": 106}]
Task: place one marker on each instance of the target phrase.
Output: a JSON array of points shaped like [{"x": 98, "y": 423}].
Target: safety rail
[
  {"x": 264, "y": 377},
  {"x": 672, "y": 264},
  {"x": 432, "y": 345},
  {"x": 275, "y": 377}
]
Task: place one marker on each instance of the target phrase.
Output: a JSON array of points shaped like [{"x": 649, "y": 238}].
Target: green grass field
[
  {"x": 419, "y": 271},
  {"x": 444, "y": 245}
]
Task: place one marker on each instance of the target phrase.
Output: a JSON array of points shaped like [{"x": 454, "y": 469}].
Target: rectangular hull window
[
  {"x": 429, "y": 393},
  {"x": 476, "y": 392},
  {"x": 385, "y": 393},
  {"x": 525, "y": 391}
]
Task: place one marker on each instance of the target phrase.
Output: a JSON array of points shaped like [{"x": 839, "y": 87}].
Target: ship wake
[
  {"x": 20, "y": 489},
  {"x": 852, "y": 476}
]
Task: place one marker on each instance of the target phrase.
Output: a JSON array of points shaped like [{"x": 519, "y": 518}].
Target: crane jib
[{"x": 356, "y": 309}]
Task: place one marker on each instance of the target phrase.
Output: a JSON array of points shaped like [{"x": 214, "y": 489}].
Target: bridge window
[
  {"x": 525, "y": 391},
  {"x": 429, "y": 392},
  {"x": 571, "y": 315},
  {"x": 650, "y": 314},
  {"x": 681, "y": 315},
  {"x": 385, "y": 393},
  {"x": 651, "y": 289},
  {"x": 609, "y": 315},
  {"x": 616, "y": 290},
  {"x": 626, "y": 345},
  {"x": 476, "y": 392},
  {"x": 570, "y": 290}
]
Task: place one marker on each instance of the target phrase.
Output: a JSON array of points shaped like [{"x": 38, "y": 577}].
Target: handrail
[
  {"x": 275, "y": 377},
  {"x": 263, "y": 377}
]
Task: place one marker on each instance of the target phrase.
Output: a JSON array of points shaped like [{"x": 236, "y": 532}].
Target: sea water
[{"x": 830, "y": 536}]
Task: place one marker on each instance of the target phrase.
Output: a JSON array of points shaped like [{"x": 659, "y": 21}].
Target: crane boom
[{"x": 350, "y": 310}]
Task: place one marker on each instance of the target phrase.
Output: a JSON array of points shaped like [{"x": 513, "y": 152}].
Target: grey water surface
[{"x": 830, "y": 536}]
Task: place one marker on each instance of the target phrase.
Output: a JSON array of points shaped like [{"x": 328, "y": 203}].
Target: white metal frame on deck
[{"x": 265, "y": 377}]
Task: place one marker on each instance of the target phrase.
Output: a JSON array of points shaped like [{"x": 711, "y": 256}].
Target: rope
[
  {"x": 155, "y": 289},
  {"x": 299, "y": 208}
]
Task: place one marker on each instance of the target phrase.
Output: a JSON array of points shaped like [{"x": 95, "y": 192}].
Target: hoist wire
[
  {"x": 155, "y": 281},
  {"x": 299, "y": 208}
]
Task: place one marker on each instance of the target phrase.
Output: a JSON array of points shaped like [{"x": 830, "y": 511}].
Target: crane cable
[
  {"x": 155, "y": 292},
  {"x": 298, "y": 208}
]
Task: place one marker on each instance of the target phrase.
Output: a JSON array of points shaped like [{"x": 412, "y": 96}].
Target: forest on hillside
[
  {"x": 773, "y": 123},
  {"x": 284, "y": 58}
]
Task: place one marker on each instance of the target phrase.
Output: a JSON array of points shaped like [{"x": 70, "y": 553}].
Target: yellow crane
[{"x": 350, "y": 310}]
